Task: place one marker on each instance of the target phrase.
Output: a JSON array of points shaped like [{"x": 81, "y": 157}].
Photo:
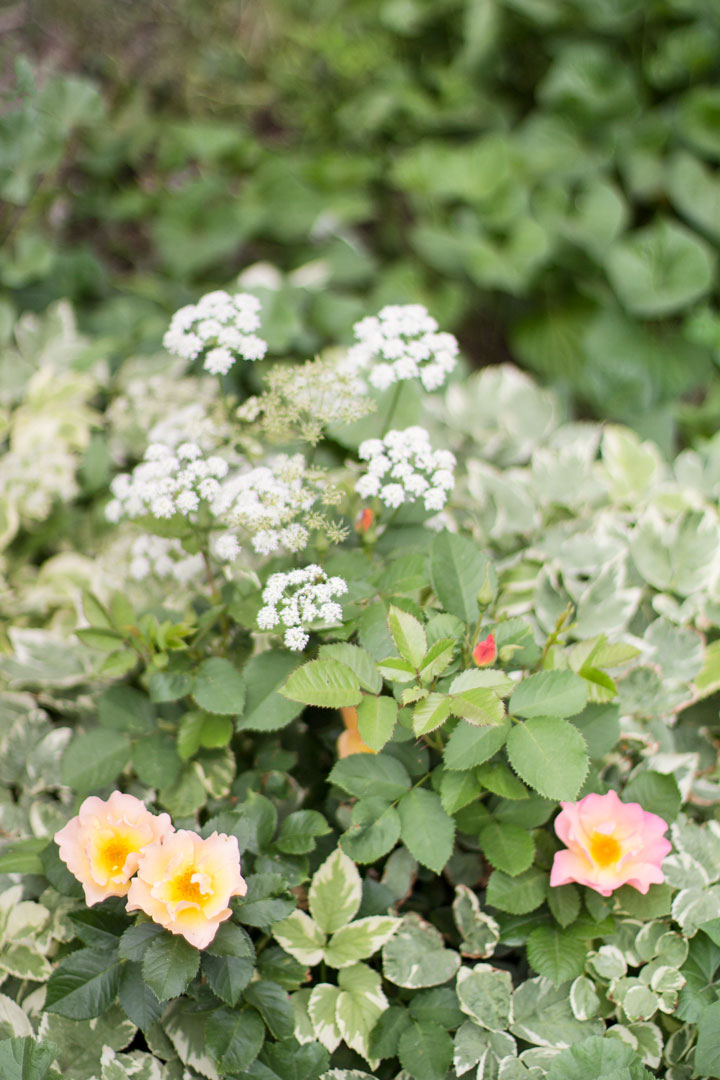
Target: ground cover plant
[
  {"x": 358, "y": 716},
  {"x": 466, "y": 153}
]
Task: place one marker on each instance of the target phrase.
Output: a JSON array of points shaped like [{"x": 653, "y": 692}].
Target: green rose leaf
[
  {"x": 550, "y": 755},
  {"x": 517, "y": 895},
  {"x": 374, "y": 830},
  {"x": 425, "y": 1051},
  {"x": 507, "y": 847},
  {"x": 218, "y": 687},
  {"x": 168, "y": 965},
  {"x": 84, "y": 984},
  {"x": 327, "y": 684},
  {"x": 363, "y": 774},
  {"x": 376, "y": 720},
  {"x": 557, "y": 954},
  {"x": 458, "y": 572},
  {"x": 409, "y": 636},
  {"x": 426, "y": 830},
  {"x": 549, "y": 693}
]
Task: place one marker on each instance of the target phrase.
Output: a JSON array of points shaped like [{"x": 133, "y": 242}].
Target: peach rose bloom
[
  {"x": 184, "y": 883},
  {"x": 609, "y": 843},
  {"x": 350, "y": 742},
  {"x": 102, "y": 845}
]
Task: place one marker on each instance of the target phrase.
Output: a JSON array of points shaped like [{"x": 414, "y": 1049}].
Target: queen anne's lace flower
[
  {"x": 403, "y": 342},
  {"x": 219, "y": 327},
  {"x": 298, "y": 599},
  {"x": 403, "y": 467},
  {"x": 163, "y": 558},
  {"x": 167, "y": 482}
]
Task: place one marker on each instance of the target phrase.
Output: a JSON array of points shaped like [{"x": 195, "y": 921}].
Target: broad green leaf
[
  {"x": 265, "y": 708},
  {"x": 202, "y": 729},
  {"x": 359, "y": 940},
  {"x": 94, "y": 759},
  {"x": 168, "y": 965},
  {"x": 218, "y": 687},
  {"x": 484, "y": 993},
  {"x": 427, "y": 831},
  {"x": 169, "y": 685},
  {"x": 136, "y": 940},
  {"x": 322, "y": 1007},
  {"x": 469, "y": 746},
  {"x": 362, "y": 774},
  {"x": 373, "y": 831},
  {"x": 121, "y": 708},
  {"x": 656, "y": 792},
  {"x": 84, "y": 984},
  {"x": 549, "y": 693},
  {"x": 507, "y": 847},
  {"x": 273, "y": 1004},
  {"x": 228, "y": 976},
  {"x": 358, "y": 660},
  {"x": 659, "y": 269},
  {"x": 558, "y": 955},
  {"x": 26, "y": 1058},
  {"x": 395, "y": 669},
  {"x": 564, "y": 903},
  {"x": 231, "y": 940},
  {"x": 459, "y": 571},
  {"x": 299, "y": 830},
  {"x": 23, "y": 856},
  {"x": 335, "y": 892},
  {"x": 430, "y": 713},
  {"x": 300, "y": 936},
  {"x": 327, "y": 684},
  {"x": 517, "y": 895},
  {"x": 156, "y": 761},
  {"x": 550, "y": 755},
  {"x": 437, "y": 659},
  {"x": 235, "y": 1038},
  {"x": 138, "y": 1001},
  {"x": 416, "y": 956},
  {"x": 409, "y": 636},
  {"x": 498, "y": 778},
  {"x": 457, "y": 789},
  {"x": 376, "y": 720},
  {"x": 426, "y": 1051}
]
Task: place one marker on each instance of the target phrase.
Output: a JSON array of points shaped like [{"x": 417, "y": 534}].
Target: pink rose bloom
[
  {"x": 184, "y": 883},
  {"x": 102, "y": 845},
  {"x": 609, "y": 843}
]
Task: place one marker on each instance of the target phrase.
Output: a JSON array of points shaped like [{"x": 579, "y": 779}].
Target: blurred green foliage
[{"x": 541, "y": 173}]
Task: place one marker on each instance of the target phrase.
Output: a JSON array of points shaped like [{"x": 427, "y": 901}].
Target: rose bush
[{"x": 319, "y": 742}]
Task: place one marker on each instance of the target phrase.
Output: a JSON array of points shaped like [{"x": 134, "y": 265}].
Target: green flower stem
[{"x": 391, "y": 411}]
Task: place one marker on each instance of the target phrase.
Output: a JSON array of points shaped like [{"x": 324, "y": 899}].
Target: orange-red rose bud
[
  {"x": 485, "y": 652},
  {"x": 365, "y": 520}
]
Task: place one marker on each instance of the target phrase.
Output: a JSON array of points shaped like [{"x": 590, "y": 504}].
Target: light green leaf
[
  {"x": 430, "y": 713},
  {"x": 659, "y": 269},
  {"x": 507, "y": 847},
  {"x": 359, "y": 940},
  {"x": 322, "y": 1007},
  {"x": 25, "y": 1058},
  {"x": 549, "y": 693},
  {"x": 360, "y": 1004},
  {"x": 327, "y": 684},
  {"x": 550, "y": 754},
  {"x": 427, "y": 831},
  {"x": 335, "y": 892},
  {"x": 358, "y": 660},
  {"x": 437, "y": 658},
  {"x": 218, "y": 687},
  {"x": 478, "y": 706},
  {"x": 409, "y": 636},
  {"x": 416, "y": 956},
  {"x": 376, "y": 720},
  {"x": 484, "y": 993},
  {"x": 169, "y": 963},
  {"x": 301, "y": 937}
]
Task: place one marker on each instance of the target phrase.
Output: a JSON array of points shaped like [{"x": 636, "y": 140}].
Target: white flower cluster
[
  {"x": 163, "y": 558},
  {"x": 403, "y": 467},
  {"x": 167, "y": 482},
  {"x": 219, "y": 326},
  {"x": 403, "y": 342},
  {"x": 267, "y": 500},
  {"x": 298, "y": 599}
]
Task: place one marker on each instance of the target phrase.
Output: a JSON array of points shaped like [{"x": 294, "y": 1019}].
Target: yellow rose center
[
  {"x": 114, "y": 852},
  {"x": 605, "y": 850},
  {"x": 184, "y": 888}
]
